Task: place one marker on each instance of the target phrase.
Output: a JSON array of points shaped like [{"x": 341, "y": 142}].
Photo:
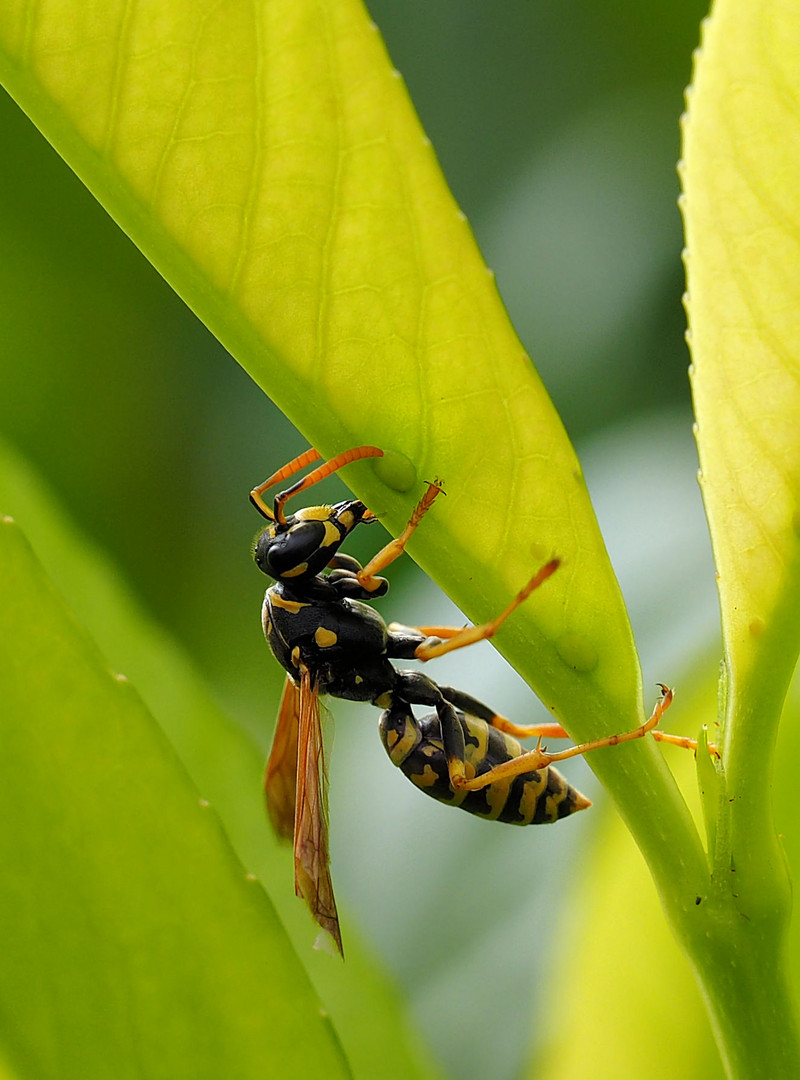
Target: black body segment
[
  {"x": 416, "y": 747},
  {"x": 347, "y": 649}
]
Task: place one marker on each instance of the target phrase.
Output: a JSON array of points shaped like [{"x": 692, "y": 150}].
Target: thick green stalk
[
  {"x": 741, "y": 969},
  {"x": 737, "y": 942},
  {"x": 733, "y": 932}
]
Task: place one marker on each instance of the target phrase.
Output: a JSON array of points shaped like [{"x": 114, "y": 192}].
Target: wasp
[{"x": 321, "y": 627}]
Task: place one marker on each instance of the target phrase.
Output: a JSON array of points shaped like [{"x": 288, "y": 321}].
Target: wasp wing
[
  {"x": 312, "y": 877},
  {"x": 280, "y": 777}
]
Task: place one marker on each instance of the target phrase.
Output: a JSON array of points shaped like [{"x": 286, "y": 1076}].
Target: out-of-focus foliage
[{"x": 102, "y": 937}]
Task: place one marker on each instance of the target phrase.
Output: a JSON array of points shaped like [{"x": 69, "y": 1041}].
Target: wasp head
[{"x": 303, "y": 545}]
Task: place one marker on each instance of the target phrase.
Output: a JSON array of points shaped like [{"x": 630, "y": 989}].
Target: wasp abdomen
[{"x": 532, "y": 798}]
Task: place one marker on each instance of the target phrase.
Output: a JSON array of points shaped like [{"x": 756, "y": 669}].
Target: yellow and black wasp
[{"x": 331, "y": 642}]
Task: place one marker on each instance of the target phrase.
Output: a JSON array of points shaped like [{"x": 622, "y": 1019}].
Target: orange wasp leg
[
  {"x": 556, "y": 731},
  {"x": 548, "y": 730},
  {"x": 468, "y": 635},
  {"x": 395, "y": 548},
  {"x": 682, "y": 741},
  {"x": 539, "y": 759},
  {"x": 329, "y": 467}
]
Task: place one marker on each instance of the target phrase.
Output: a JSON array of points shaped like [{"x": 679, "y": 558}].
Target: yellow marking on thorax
[
  {"x": 325, "y": 638},
  {"x": 293, "y": 606}
]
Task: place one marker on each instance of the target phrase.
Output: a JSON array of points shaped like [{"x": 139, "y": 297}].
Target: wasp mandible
[{"x": 330, "y": 641}]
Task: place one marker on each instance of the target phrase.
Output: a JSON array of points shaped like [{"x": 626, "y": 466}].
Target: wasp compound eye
[{"x": 300, "y": 551}]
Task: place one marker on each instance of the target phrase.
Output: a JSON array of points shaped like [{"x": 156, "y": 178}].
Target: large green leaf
[
  {"x": 742, "y": 208},
  {"x": 268, "y": 161},
  {"x": 741, "y": 177},
  {"x": 132, "y": 942}
]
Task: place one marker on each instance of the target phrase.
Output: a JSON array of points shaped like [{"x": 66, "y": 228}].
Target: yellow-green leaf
[
  {"x": 741, "y": 177},
  {"x": 267, "y": 159}
]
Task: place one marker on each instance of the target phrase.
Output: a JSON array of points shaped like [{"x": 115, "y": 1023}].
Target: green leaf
[
  {"x": 742, "y": 207},
  {"x": 131, "y": 938},
  {"x": 741, "y": 178},
  {"x": 269, "y": 163},
  {"x": 742, "y": 210}
]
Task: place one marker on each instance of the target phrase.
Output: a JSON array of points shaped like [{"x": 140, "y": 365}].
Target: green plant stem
[
  {"x": 736, "y": 937},
  {"x": 740, "y": 964},
  {"x": 729, "y": 911},
  {"x": 742, "y": 974}
]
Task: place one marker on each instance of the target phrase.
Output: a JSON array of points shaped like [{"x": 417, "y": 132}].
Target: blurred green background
[{"x": 556, "y": 125}]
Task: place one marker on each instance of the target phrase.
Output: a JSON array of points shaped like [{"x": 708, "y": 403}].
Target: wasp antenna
[
  {"x": 347, "y": 457},
  {"x": 283, "y": 473}
]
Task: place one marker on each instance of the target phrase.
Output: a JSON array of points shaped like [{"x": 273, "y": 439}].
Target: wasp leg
[
  {"x": 403, "y": 642},
  {"x": 468, "y": 704},
  {"x": 331, "y": 466},
  {"x": 470, "y": 634},
  {"x": 538, "y": 758},
  {"x": 472, "y": 707},
  {"x": 344, "y": 578},
  {"x": 686, "y": 744},
  {"x": 414, "y": 688},
  {"x": 396, "y": 547},
  {"x": 340, "y": 561}
]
